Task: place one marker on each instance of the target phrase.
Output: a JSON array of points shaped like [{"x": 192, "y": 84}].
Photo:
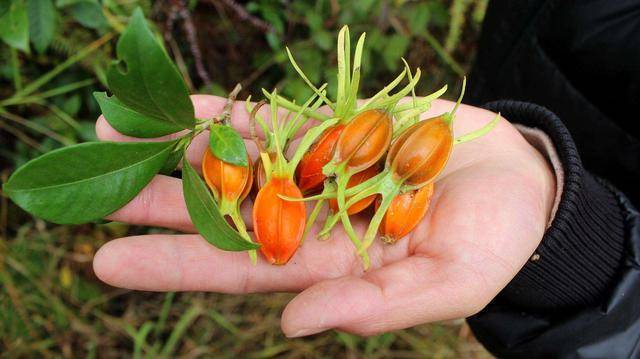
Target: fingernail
[{"x": 304, "y": 332}]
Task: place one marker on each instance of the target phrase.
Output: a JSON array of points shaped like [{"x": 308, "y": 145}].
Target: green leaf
[
  {"x": 227, "y": 144},
  {"x": 63, "y": 3},
  {"x": 171, "y": 163},
  {"x": 14, "y": 25},
  {"x": 418, "y": 18},
  {"x": 396, "y": 47},
  {"x": 42, "y": 22},
  {"x": 132, "y": 123},
  {"x": 88, "y": 14},
  {"x": 323, "y": 39},
  {"x": 205, "y": 215},
  {"x": 146, "y": 80},
  {"x": 85, "y": 182}
]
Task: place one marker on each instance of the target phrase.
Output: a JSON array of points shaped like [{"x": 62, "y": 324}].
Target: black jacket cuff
[{"x": 581, "y": 252}]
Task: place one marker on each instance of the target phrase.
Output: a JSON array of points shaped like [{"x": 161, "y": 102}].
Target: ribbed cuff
[{"x": 581, "y": 252}]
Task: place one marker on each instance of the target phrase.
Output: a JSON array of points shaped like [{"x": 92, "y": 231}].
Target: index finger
[{"x": 205, "y": 106}]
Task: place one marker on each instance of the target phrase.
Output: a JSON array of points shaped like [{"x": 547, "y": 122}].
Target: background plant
[{"x": 50, "y": 302}]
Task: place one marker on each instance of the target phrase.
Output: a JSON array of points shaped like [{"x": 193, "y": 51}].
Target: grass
[{"x": 51, "y": 303}]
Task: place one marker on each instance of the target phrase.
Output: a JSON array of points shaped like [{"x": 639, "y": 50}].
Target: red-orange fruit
[
  {"x": 404, "y": 213},
  {"x": 279, "y": 224},
  {"x": 309, "y": 172},
  {"x": 419, "y": 154},
  {"x": 364, "y": 140},
  {"x": 355, "y": 180},
  {"x": 228, "y": 181}
]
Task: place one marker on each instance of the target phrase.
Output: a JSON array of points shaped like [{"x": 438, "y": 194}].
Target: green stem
[
  {"x": 392, "y": 100},
  {"x": 375, "y": 188},
  {"x": 292, "y": 130},
  {"x": 372, "y": 230},
  {"x": 478, "y": 133},
  {"x": 330, "y": 222},
  {"x": 15, "y": 63},
  {"x": 382, "y": 93},
  {"x": 35, "y": 127},
  {"x": 312, "y": 219},
  {"x": 42, "y": 80},
  {"x": 236, "y": 218},
  {"x": 360, "y": 195},
  {"x": 284, "y": 103},
  {"x": 433, "y": 42},
  {"x": 342, "y": 180},
  {"x": 307, "y": 81},
  {"x": 332, "y": 194},
  {"x": 46, "y": 94},
  {"x": 421, "y": 102}
]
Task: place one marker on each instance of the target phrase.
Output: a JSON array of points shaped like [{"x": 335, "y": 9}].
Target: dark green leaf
[
  {"x": 438, "y": 14},
  {"x": 418, "y": 18},
  {"x": 396, "y": 47},
  {"x": 63, "y": 3},
  {"x": 4, "y": 7},
  {"x": 14, "y": 25},
  {"x": 85, "y": 182},
  {"x": 42, "y": 22},
  {"x": 146, "y": 80},
  {"x": 227, "y": 144},
  {"x": 130, "y": 122},
  {"x": 315, "y": 21},
  {"x": 171, "y": 163},
  {"x": 323, "y": 39},
  {"x": 88, "y": 14},
  {"x": 72, "y": 105},
  {"x": 205, "y": 215}
]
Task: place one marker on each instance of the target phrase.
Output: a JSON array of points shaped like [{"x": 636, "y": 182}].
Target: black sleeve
[
  {"x": 581, "y": 60},
  {"x": 579, "y": 295}
]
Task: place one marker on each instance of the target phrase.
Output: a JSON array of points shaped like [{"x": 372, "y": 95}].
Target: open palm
[{"x": 488, "y": 214}]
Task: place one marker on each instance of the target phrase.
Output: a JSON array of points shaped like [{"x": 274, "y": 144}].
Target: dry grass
[{"x": 51, "y": 305}]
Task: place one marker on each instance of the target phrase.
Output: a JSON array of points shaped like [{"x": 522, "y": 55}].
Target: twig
[
  {"x": 21, "y": 136},
  {"x": 244, "y": 15},
  {"x": 34, "y": 126},
  {"x": 192, "y": 38},
  {"x": 4, "y": 211},
  {"x": 178, "y": 11},
  {"x": 182, "y": 66},
  {"x": 225, "y": 116}
]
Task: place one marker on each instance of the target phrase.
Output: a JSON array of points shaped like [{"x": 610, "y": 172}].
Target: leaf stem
[{"x": 236, "y": 218}]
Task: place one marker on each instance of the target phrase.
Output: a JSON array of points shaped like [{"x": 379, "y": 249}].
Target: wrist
[
  {"x": 550, "y": 172},
  {"x": 581, "y": 252}
]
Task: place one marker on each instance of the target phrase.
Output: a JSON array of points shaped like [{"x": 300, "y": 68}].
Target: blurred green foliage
[{"x": 55, "y": 53}]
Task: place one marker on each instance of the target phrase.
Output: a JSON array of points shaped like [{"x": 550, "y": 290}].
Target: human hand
[{"x": 488, "y": 214}]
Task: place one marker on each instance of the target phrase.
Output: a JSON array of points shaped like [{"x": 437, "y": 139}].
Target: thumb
[{"x": 407, "y": 293}]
